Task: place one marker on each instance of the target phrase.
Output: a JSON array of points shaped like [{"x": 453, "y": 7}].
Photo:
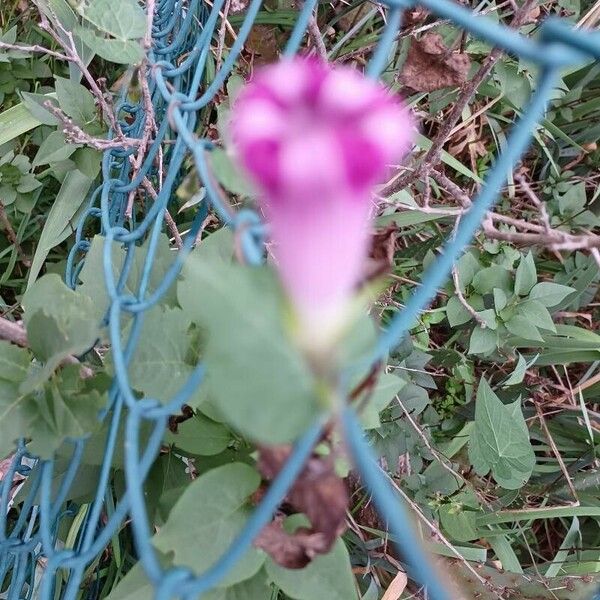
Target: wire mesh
[{"x": 30, "y": 555}]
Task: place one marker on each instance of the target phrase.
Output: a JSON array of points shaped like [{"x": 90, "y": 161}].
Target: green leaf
[
  {"x": 207, "y": 518},
  {"x": 68, "y": 409},
  {"x": 92, "y": 274},
  {"x": 326, "y": 576},
  {"x": 16, "y": 121},
  {"x": 88, "y": 161},
  {"x": 200, "y": 436},
  {"x": 526, "y": 276},
  {"x": 75, "y": 100},
  {"x": 459, "y": 524},
  {"x": 158, "y": 367},
  {"x": 518, "y": 374},
  {"x": 228, "y": 174},
  {"x": 521, "y": 327},
  {"x": 482, "y": 341},
  {"x": 257, "y": 379},
  {"x": 124, "y": 52},
  {"x": 466, "y": 267},
  {"x": 256, "y": 588},
  {"x": 550, "y": 294},
  {"x": 386, "y": 389},
  {"x": 124, "y": 20},
  {"x": 53, "y": 149},
  {"x": 488, "y": 316},
  {"x": 14, "y": 362},
  {"x": 59, "y": 321},
  {"x": 456, "y": 313},
  {"x": 537, "y": 314},
  {"x": 35, "y": 105},
  {"x": 58, "y": 226},
  {"x": 492, "y": 277},
  {"x": 500, "y": 299},
  {"x": 499, "y": 441}
]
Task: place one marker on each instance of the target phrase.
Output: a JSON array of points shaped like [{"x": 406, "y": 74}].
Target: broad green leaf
[
  {"x": 550, "y": 294},
  {"x": 456, "y": 313},
  {"x": 488, "y": 316},
  {"x": 75, "y": 100},
  {"x": 228, "y": 173},
  {"x": 256, "y": 588},
  {"x": 518, "y": 374},
  {"x": 200, "y": 436},
  {"x": 67, "y": 409},
  {"x": 158, "y": 367},
  {"x": 466, "y": 266},
  {"x": 414, "y": 398},
  {"x": 523, "y": 328},
  {"x": 207, "y": 518},
  {"x": 88, "y": 161},
  {"x": 492, "y": 277},
  {"x": 537, "y": 314},
  {"x": 256, "y": 378},
  {"x": 124, "y": 20},
  {"x": 14, "y": 362},
  {"x": 53, "y": 149},
  {"x": 482, "y": 341},
  {"x": 92, "y": 273},
  {"x": 59, "y": 321},
  {"x": 326, "y": 576},
  {"x": 16, "y": 121},
  {"x": 500, "y": 300},
  {"x": 386, "y": 389},
  {"x": 35, "y": 105},
  {"x": 526, "y": 276},
  {"x": 125, "y": 52},
  {"x": 499, "y": 441},
  {"x": 58, "y": 226},
  {"x": 459, "y": 524}
]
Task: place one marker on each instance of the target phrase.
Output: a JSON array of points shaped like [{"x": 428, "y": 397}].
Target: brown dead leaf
[
  {"x": 431, "y": 66},
  {"x": 414, "y": 15},
  {"x": 263, "y": 43},
  {"x": 292, "y": 551},
  {"x": 381, "y": 256},
  {"x": 320, "y": 494}
]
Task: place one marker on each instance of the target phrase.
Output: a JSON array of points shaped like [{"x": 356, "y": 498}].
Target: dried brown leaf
[
  {"x": 381, "y": 256},
  {"x": 264, "y": 44},
  {"x": 320, "y": 494},
  {"x": 414, "y": 15},
  {"x": 430, "y": 65}
]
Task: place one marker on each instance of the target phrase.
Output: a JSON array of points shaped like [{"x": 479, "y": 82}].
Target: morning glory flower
[{"x": 315, "y": 138}]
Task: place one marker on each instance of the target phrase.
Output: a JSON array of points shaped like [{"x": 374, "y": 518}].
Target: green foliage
[
  {"x": 500, "y": 440},
  {"x": 257, "y": 380}
]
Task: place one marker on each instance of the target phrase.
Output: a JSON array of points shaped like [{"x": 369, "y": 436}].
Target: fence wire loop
[{"x": 178, "y": 80}]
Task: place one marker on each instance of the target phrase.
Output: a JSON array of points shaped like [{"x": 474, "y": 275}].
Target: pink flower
[{"x": 315, "y": 138}]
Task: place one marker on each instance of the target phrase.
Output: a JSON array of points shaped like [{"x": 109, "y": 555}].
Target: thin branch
[
  {"x": 35, "y": 48},
  {"x": 477, "y": 317},
  {"x": 12, "y": 236},
  {"x": 556, "y": 453},
  {"x": 13, "y": 332}
]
